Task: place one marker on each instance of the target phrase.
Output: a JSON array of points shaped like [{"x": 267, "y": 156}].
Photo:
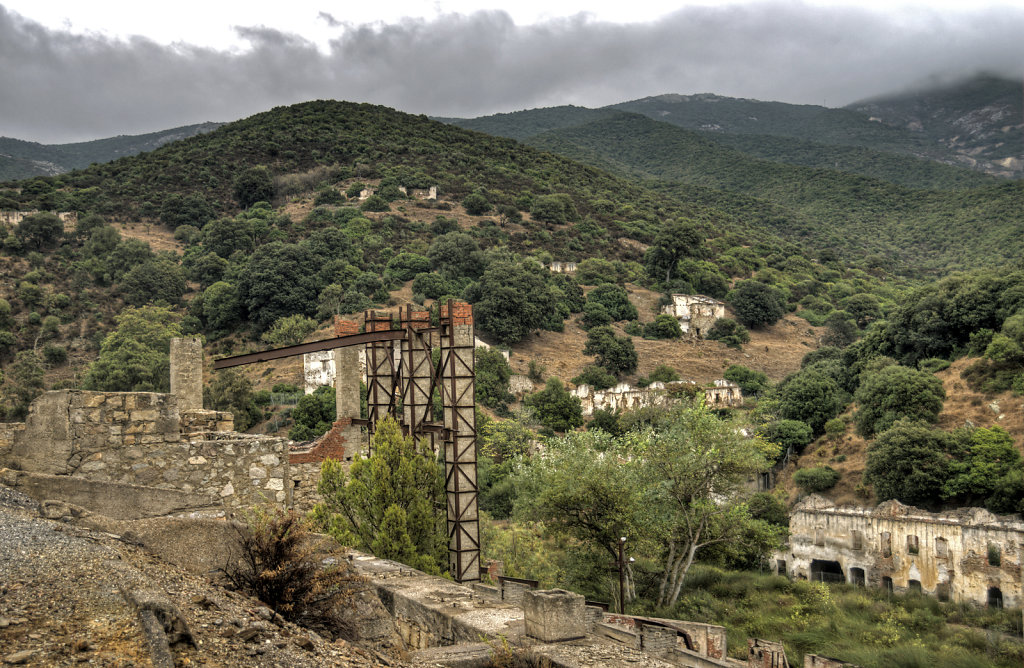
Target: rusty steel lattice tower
[{"x": 400, "y": 372}]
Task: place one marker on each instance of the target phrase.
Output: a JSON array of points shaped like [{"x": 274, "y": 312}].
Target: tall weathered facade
[{"x": 963, "y": 555}]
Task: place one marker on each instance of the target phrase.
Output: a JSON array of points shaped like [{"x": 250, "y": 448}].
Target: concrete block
[{"x": 554, "y": 615}]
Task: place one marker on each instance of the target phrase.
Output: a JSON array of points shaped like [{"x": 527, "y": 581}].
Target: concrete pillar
[
  {"x": 346, "y": 386},
  {"x": 187, "y": 372},
  {"x": 554, "y": 615}
]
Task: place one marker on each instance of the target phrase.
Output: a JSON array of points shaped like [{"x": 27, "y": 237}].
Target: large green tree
[
  {"x": 391, "y": 503},
  {"x": 676, "y": 240},
  {"x": 135, "y": 357},
  {"x": 896, "y": 392},
  {"x": 756, "y": 304},
  {"x": 910, "y": 462}
]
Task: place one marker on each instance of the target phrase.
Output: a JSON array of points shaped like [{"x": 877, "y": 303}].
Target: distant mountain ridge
[
  {"x": 21, "y": 159},
  {"x": 980, "y": 120}
]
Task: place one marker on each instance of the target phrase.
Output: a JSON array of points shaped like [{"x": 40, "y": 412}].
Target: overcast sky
[{"x": 73, "y": 70}]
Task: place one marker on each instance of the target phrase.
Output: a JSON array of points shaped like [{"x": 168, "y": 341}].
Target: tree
[
  {"x": 595, "y": 377},
  {"x": 135, "y": 357},
  {"x": 178, "y": 210},
  {"x": 157, "y": 279},
  {"x": 405, "y": 266},
  {"x": 492, "y": 376},
  {"x": 615, "y": 300},
  {"x": 221, "y": 310},
  {"x": 278, "y": 280},
  {"x": 455, "y": 255},
  {"x": 314, "y": 414},
  {"x": 391, "y": 503},
  {"x": 26, "y": 377},
  {"x": 841, "y": 330},
  {"x": 516, "y": 296},
  {"x": 476, "y": 204},
  {"x": 614, "y": 353},
  {"x": 555, "y": 407},
  {"x": 751, "y": 382},
  {"x": 756, "y": 304},
  {"x": 696, "y": 471},
  {"x": 678, "y": 239},
  {"x": 253, "y": 185},
  {"x": 289, "y": 330},
  {"x": 595, "y": 315},
  {"x": 816, "y": 479},
  {"x": 909, "y": 462},
  {"x": 663, "y": 327},
  {"x": 810, "y": 396},
  {"x": 231, "y": 391},
  {"x": 729, "y": 332},
  {"x": 987, "y": 473},
  {"x": 40, "y": 230},
  {"x": 893, "y": 393}
]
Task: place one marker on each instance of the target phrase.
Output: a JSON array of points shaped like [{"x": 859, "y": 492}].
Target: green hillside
[{"x": 918, "y": 230}]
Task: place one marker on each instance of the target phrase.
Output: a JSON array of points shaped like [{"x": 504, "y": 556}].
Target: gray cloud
[
  {"x": 62, "y": 87},
  {"x": 329, "y": 19}
]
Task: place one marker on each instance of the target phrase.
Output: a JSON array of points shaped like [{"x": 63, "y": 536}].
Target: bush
[
  {"x": 555, "y": 407},
  {"x": 751, "y": 382},
  {"x": 595, "y": 377},
  {"x": 328, "y": 196},
  {"x": 282, "y": 567},
  {"x": 756, "y": 304},
  {"x": 896, "y": 392},
  {"x": 614, "y": 353},
  {"x": 663, "y": 373},
  {"x": 835, "y": 428},
  {"x": 817, "y": 479},
  {"x": 615, "y": 300},
  {"x": 729, "y": 332},
  {"x": 476, "y": 204},
  {"x": 55, "y": 355},
  {"x": 663, "y": 327},
  {"x": 787, "y": 433},
  {"x": 313, "y": 415},
  {"x": 595, "y": 315},
  {"x": 375, "y": 203}
]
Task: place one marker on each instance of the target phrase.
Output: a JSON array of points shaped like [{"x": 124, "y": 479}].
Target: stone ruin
[
  {"x": 967, "y": 554},
  {"x": 696, "y": 313},
  {"x": 15, "y": 217},
  {"x": 625, "y": 397},
  {"x": 558, "y": 267},
  {"x": 412, "y": 193}
]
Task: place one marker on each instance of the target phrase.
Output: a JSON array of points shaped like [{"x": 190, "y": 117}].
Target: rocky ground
[{"x": 63, "y": 592}]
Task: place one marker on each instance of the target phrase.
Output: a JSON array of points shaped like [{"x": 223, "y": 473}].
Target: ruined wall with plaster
[
  {"x": 947, "y": 553},
  {"x": 696, "y": 313},
  {"x": 558, "y": 267},
  {"x": 15, "y": 217},
  {"x": 141, "y": 438},
  {"x": 723, "y": 395}
]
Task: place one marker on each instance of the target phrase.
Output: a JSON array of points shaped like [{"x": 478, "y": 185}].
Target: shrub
[
  {"x": 817, "y": 479},
  {"x": 281, "y": 566},
  {"x": 595, "y": 377},
  {"x": 663, "y": 327},
  {"x": 375, "y": 203},
  {"x": 615, "y": 299},
  {"x": 595, "y": 315},
  {"x": 328, "y": 196},
  {"x": 729, "y": 332},
  {"x": 750, "y": 381},
  {"x": 614, "y": 353},
  {"x": 835, "y": 428},
  {"x": 476, "y": 204},
  {"x": 55, "y": 355},
  {"x": 756, "y": 304}
]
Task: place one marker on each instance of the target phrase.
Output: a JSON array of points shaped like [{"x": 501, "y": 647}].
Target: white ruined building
[
  {"x": 724, "y": 394},
  {"x": 696, "y": 313},
  {"x": 967, "y": 554},
  {"x": 15, "y": 217},
  {"x": 366, "y": 193},
  {"x": 558, "y": 267}
]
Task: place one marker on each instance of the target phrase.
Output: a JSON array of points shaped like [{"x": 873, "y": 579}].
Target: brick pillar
[
  {"x": 187, "y": 372},
  {"x": 346, "y": 386}
]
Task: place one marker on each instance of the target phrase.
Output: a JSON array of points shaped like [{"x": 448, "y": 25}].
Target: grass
[{"x": 862, "y": 626}]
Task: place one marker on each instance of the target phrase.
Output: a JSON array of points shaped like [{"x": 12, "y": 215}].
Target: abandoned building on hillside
[
  {"x": 696, "y": 313},
  {"x": 967, "y": 554},
  {"x": 625, "y": 397}
]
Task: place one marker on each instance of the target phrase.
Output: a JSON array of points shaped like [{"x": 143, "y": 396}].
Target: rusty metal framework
[{"x": 401, "y": 381}]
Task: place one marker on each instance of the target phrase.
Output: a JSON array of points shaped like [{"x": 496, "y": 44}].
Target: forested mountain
[
  {"x": 23, "y": 159},
  {"x": 979, "y": 120},
  {"x": 918, "y": 230}
]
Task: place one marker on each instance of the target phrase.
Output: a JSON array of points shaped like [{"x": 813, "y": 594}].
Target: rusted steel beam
[{"x": 312, "y": 347}]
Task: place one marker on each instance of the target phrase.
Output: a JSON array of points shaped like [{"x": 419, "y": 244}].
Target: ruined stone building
[
  {"x": 559, "y": 267},
  {"x": 696, "y": 313},
  {"x": 967, "y": 554},
  {"x": 15, "y": 217},
  {"x": 625, "y": 397}
]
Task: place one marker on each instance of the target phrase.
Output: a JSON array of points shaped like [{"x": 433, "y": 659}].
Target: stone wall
[
  {"x": 724, "y": 394},
  {"x": 15, "y": 217},
  {"x": 140, "y": 438},
  {"x": 7, "y": 434},
  {"x": 696, "y": 313},
  {"x": 963, "y": 555}
]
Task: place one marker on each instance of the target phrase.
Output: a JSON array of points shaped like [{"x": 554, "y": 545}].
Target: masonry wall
[
  {"x": 140, "y": 438},
  {"x": 952, "y": 548}
]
